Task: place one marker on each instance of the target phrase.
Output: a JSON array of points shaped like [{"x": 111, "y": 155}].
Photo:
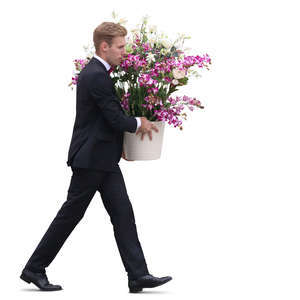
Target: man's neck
[{"x": 106, "y": 64}]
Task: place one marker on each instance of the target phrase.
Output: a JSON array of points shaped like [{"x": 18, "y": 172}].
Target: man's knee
[
  {"x": 123, "y": 217},
  {"x": 71, "y": 213}
]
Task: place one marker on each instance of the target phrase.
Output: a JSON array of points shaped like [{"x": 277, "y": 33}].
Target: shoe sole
[{"x": 135, "y": 290}]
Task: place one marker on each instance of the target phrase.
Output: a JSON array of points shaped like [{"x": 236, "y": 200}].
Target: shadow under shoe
[
  {"x": 146, "y": 281},
  {"x": 40, "y": 280}
]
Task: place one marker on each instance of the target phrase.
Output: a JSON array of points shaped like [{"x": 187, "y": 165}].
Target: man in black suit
[{"x": 94, "y": 154}]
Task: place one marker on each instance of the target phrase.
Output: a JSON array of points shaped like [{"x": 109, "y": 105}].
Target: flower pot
[{"x": 146, "y": 149}]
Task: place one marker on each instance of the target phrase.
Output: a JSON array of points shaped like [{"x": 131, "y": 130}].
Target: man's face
[{"x": 113, "y": 55}]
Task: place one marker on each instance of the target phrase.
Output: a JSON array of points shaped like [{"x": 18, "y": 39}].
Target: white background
[{"x": 219, "y": 212}]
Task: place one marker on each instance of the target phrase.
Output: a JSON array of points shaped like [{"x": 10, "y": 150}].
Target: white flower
[
  {"x": 163, "y": 51},
  {"x": 122, "y": 21},
  {"x": 114, "y": 14},
  {"x": 180, "y": 35},
  {"x": 183, "y": 36},
  {"x": 135, "y": 32},
  {"x": 153, "y": 28},
  {"x": 178, "y": 74},
  {"x": 151, "y": 42},
  {"x": 89, "y": 50},
  {"x": 166, "y": 44},
  {"x": 150, "y": 57},
  {"x": 175, "y": 81},
  {"x": 177, "y": 45},
  {"x": 145, "y": 19}
]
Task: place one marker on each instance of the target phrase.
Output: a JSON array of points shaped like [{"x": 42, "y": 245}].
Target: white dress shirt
[{"x": 107, "y": 66}]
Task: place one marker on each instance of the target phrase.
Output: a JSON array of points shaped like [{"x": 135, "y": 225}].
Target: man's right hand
[{"x": 146, "y": 127}]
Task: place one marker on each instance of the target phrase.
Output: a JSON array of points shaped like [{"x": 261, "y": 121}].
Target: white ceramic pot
[{"x": 146, "y": 149}]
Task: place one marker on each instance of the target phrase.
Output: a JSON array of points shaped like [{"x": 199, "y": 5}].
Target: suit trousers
[{"x": 83, "y": 186}]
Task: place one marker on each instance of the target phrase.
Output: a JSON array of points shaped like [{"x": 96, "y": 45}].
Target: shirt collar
[{"x": 107, "y": 65}]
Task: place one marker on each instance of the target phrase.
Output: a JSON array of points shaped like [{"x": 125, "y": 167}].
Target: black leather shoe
[
  {"x": 40, "y": 280},
  {"x": 146, "y": 281}
]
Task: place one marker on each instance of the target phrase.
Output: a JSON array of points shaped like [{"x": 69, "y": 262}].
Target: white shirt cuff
[{"x": 138, "y": 122}]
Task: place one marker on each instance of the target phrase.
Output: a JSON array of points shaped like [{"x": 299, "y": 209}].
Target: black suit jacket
[{"x": 100, "y": 121}]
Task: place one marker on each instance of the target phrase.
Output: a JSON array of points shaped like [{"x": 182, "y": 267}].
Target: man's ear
[{"x": 103, "y": 46}]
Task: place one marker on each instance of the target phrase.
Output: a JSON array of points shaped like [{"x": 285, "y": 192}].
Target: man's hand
[
  {"x": 146, "y": 127},
  {"x": 123, "y": 156}
]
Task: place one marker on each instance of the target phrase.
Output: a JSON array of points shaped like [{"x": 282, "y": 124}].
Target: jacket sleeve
[{"x": 101, "y": 92}]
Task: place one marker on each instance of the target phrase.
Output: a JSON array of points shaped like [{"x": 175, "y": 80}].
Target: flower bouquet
[{"x": 152, "y": 69}]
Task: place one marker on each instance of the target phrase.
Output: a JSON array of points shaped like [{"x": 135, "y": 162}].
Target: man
[{"x": 94, "y": 154}]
